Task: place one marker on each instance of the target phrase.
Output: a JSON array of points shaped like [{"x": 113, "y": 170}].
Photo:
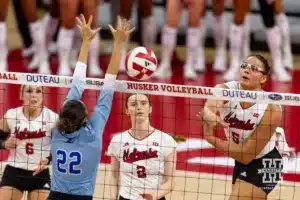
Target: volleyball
[{"x": 140, "y": 63}]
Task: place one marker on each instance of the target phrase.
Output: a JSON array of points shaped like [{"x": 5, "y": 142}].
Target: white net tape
[{"x": 156, "y": 88}]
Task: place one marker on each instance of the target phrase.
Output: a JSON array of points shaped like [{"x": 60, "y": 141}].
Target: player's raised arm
[
  {"x": 79, "y": 75},
  {"x": 103, "y": 106}
]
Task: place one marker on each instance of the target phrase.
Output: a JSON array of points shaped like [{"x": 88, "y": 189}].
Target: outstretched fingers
[
  {"x": 96, "y": 31},
  {"x": 119, "y": 21},
  {"x": 111, "y": 28},
  {"x": 83, "y": 19},
  {"x": 131, "y": 30},
  {"x": 90, "y": 20},
  {"x": 79, "y": 22}
]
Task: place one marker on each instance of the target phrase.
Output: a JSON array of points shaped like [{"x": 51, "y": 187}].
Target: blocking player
[
  {"x": 77, "y": 138},
  {"x": 143, "y": 159},
  {"x": 29, "y": 129}
]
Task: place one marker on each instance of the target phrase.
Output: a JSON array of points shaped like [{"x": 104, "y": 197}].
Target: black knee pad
[{"x": 267, "y": 13}]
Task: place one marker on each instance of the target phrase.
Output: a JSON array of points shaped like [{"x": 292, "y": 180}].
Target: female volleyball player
[
  {"x": 250, "y": 130},
  {"x": 169, "y": 36},
  {"x": 77, "y": 140},
  {"x": 148, "y": 26},
  {"x": 283, "y": 24},
  {"x": 273, "y": 38},
  {"x": 29, "y": 129},
  {"x": 66, "y": 35},
  {"x": 219, "y": 33},
  {"x": 143, "y": 159}
]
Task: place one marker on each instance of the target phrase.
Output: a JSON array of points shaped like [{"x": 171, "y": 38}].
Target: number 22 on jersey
[{"x": 68, "y": 162}]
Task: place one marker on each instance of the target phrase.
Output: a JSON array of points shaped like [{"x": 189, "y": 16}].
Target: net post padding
[{"x": 156, "y": 88}]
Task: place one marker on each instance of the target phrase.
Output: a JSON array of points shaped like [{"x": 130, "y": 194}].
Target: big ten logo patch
[{"x": 272, "y": 170}]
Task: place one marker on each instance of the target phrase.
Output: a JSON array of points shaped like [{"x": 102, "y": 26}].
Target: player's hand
[
  {"x": 86, "y": 31},
  {"x": 208, "y": 129},
  {"x": 11, "y": 143},
  {"x": 149, "y": 196},
  {"x": 124, "y": 29},
  {"x": 42, "y": 166},
  {"x": 217, "y": 122}
]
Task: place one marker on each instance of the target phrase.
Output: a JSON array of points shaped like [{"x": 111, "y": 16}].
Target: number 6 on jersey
[{"x": 68, "y": 163}]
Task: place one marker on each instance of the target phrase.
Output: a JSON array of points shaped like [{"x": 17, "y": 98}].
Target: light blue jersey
[{"x": 76, "y": 156}]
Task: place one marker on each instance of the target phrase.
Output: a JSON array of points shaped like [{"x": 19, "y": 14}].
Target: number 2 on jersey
[
  {"x": 71, "y": 160},
  {"x": 141, "y": 171}
]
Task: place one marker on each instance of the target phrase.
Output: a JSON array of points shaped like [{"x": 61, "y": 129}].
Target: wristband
[
  {"x": 80, "y": 71},
  {"x": 110, "y": 81}
]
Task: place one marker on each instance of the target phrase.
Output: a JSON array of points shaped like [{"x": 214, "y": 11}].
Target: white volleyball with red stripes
[{"x": 140, "y": 63}]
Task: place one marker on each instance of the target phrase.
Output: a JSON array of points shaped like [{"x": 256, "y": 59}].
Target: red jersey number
[
  {"x": 29, "y": 148},
  {"x": 141, "y": 171},
  {"x": 235, "y": 137}
]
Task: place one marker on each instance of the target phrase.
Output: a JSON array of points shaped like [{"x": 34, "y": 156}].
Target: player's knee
[
  {"x": 68, "y": 22},
  {"x": 194, "y": 22},
  {"x": 277, "y": 7},
  {"x": 218, "y": 7},
  {"x": 194, "y": 14},
  {"x": 172, "y": 21},
  {"x": 267, "y": 13},
  {"x": 239, "y": 18}
]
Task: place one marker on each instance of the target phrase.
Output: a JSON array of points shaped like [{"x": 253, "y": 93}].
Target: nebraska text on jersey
[
  {"x": 234, "y": 122},
  {"x": 137, "y": 155},
  {"x": 27, "y": 134}
]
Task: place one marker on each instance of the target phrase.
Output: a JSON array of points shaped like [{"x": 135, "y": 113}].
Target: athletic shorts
[
  {"x": 23, "y": 180},
  {"x": 122, "y": 198},
  {"x": 63, "y": 196},
  {"x": 264, "y": 172}
]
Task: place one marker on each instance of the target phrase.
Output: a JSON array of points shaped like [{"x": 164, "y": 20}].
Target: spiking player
[
  {"x": 143, "y": 159},
  {"x": 77, "y": 139},
  {"x": 29, "y": 129},
  {"x": 250, "y": 130}
]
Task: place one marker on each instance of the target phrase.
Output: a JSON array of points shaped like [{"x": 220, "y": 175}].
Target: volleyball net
[{"x": 202, "y": 172}]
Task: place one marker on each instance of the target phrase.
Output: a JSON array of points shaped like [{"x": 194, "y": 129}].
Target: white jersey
[
  {"x": 34, "y": 136},
  {"x": 141, "y": 161},
  {"x": 243, "y": 121}
]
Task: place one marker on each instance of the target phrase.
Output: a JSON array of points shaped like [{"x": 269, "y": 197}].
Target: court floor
[{"x": 200, "y": 186}]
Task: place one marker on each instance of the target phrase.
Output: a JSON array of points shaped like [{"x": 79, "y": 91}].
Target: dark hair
[
  {"x": 128, "y": 96},
  {"x": 71, "y": 117},
  {"x": 267, "y": 66}
]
